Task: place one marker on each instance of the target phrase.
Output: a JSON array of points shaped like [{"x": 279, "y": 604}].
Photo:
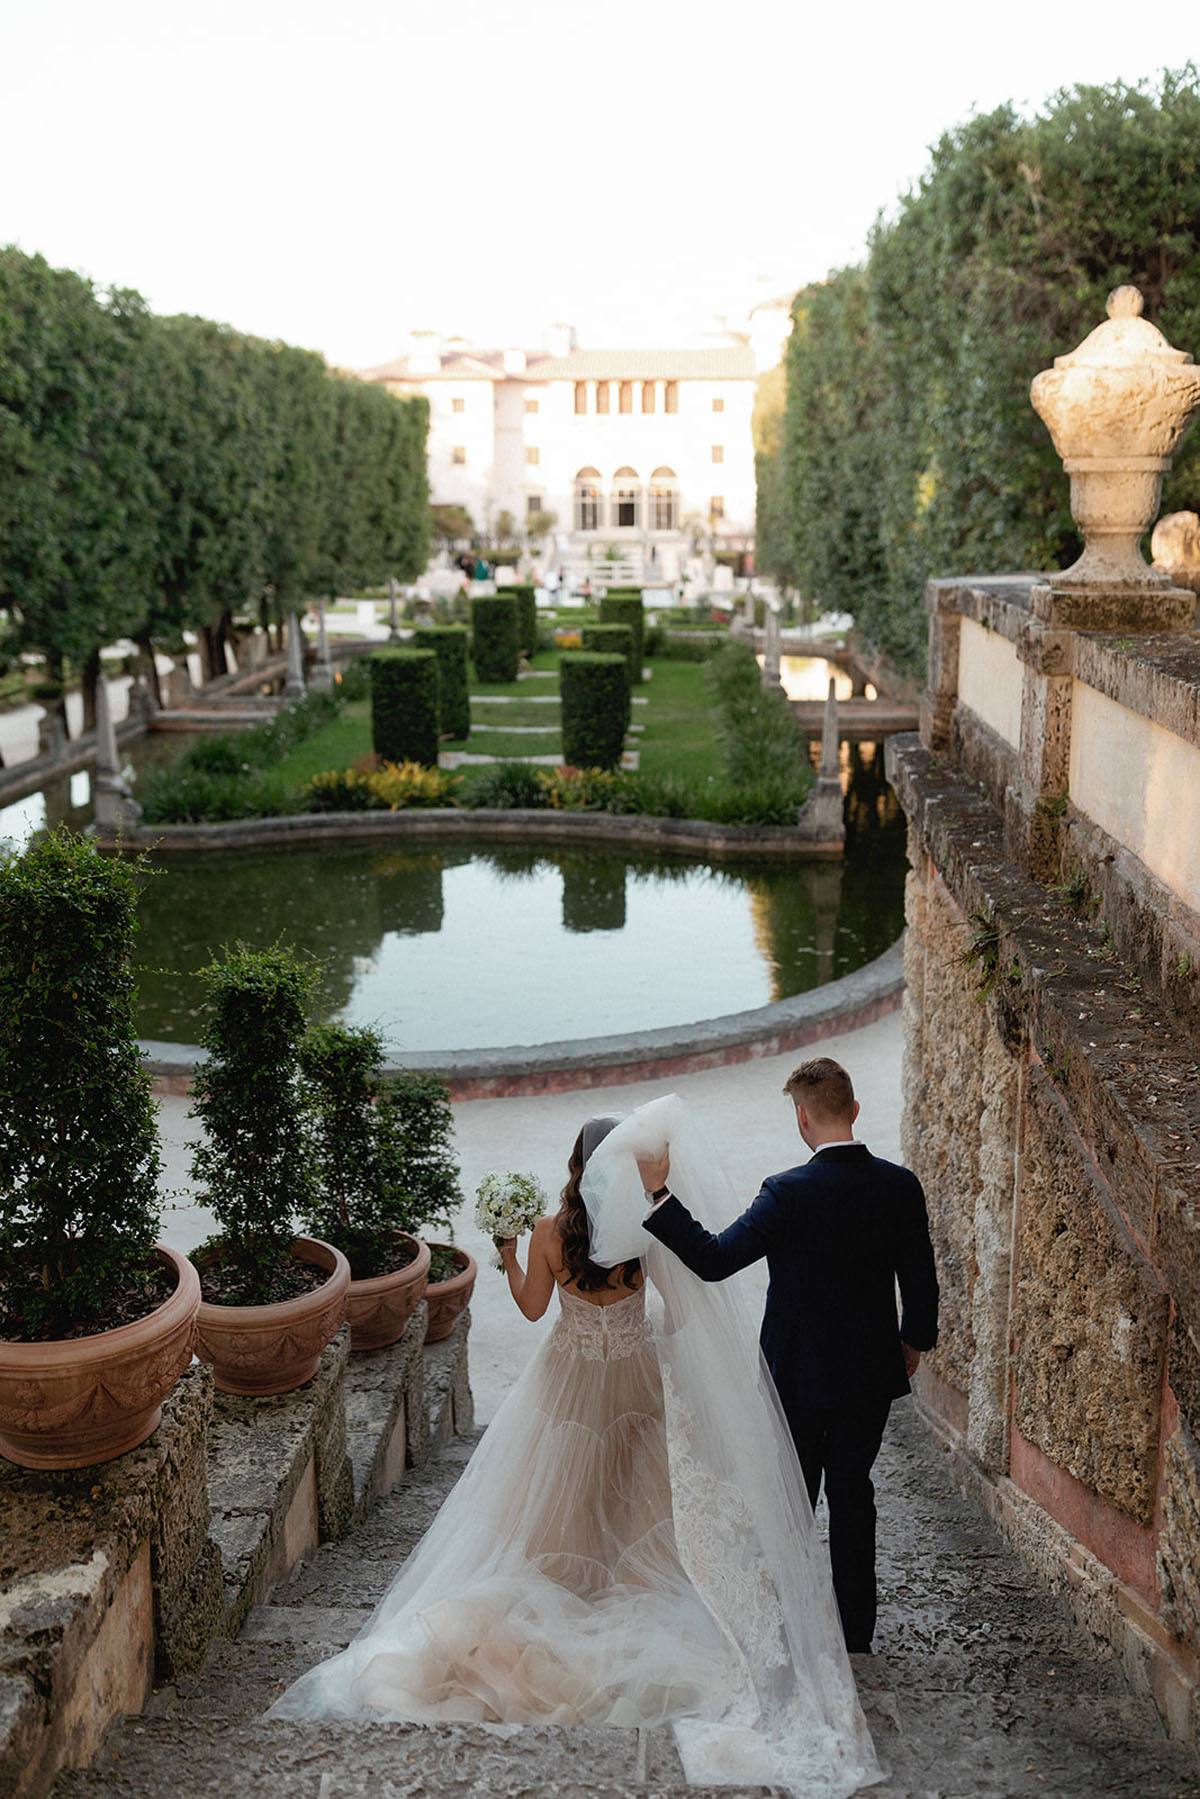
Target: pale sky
[{"x": 337, "y": 175}]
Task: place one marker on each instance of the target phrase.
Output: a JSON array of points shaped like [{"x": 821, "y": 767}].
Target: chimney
[
  {"x": 514, "y": 362},
  {"x": 424, "y": 353},
  {"x": 561, "y": 340}
]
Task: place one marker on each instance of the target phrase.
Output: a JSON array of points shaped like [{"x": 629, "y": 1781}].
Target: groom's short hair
[{"x": 821, "y": 1086}]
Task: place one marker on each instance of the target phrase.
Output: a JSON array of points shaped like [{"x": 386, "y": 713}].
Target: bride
[{"x": 631, "y": 1542}]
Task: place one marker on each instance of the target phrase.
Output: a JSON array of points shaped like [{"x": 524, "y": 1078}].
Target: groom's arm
[
  {"x": 713, "y": 1257},
  {"x": 915, "y": 1270}
]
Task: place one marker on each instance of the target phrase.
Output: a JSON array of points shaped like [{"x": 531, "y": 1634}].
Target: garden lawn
[{"x": 678, "y": 737}]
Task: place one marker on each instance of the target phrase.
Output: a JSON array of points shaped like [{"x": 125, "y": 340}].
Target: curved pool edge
[
  {"x": 690, "y": 836},
  {"x": 853, "y": 1000}
]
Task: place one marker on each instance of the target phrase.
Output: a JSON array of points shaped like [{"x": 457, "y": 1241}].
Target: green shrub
[
  {"x": 183, "y": 795},
  {"x": 341, "y": 790},
  {"x": 613, "y": 640},
  {"x": 759, "y": 739},
  {"x": 676, "y": 648},
  {"x": 381, "y": 1147},
  {"x": 503, "y": 786},
  {"x": 495, "y": 637},
  {"x": 525, "y": 594},
  {"x": 595, "y": 708},
  {"x": 79, "y": 1159},
  {"x": 253, "y": 1167},
  {"x": 624, "y": 607},
  {"x": 405, "y": 706},
  {"x": 449, "y": 645}
]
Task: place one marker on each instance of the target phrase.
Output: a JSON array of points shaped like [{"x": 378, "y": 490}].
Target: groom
[{"x": 838, "y": 1233}]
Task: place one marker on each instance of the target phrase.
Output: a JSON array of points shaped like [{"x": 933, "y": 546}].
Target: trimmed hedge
[
  {"x": 618, "y": 608},
  {"x": 449, "y": 645},
  {"x": 612, "y": 640},
  {"x": 525, "y": 594},
  {"x": 404, "y": 706},
  {"x": 495, "y": 637},
  {"x": 594, "y": 690}
]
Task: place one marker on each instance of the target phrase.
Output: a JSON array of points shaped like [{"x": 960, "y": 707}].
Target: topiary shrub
[
  {"x": 253, "y": 1167},
  {"x": 525, "y": 594},
  {"x": 405, "y": 706},
  {"x": 381, "y": 1148},
  {"x": 495, "y": 638},
  {"x": 449, "y": 645},
  {"x": 626, "y": 609},
  {"x": 595, "y": 708},
  {"x": 79, "y": 1157},
  {"x": 612, "y": 640}
]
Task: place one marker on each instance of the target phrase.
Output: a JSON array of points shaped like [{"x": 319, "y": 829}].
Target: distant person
[{"x": 481, "y": 570}]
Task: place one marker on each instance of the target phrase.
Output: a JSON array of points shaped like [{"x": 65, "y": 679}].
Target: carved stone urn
[{"x": 1117, "y": 409}]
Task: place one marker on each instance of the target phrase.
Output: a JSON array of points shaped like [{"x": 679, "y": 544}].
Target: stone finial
[
  {"x": 772, "y": 648},
  {"x": 1175, "y": 547},
  {"x": 1117, "y": 408},
  {"x": 829, "y": 733}
]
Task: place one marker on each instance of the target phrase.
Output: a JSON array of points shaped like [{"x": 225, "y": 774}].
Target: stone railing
[{"x": 118, "y": 1577}]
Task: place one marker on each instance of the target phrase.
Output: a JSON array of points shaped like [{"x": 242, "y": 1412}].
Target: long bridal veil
[
  {"x": 743, "y": 1524},
  {"x": 631, "y": 1542}
]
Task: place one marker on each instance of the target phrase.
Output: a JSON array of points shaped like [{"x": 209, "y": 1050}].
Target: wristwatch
[{"x": 661, "y": 1193}]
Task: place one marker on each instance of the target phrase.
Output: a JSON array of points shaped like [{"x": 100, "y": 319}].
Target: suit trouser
[{"x": 840, "y": 1443}]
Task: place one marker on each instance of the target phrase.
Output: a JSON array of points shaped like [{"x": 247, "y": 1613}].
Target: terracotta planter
[
  {"x": 70, "y": 1403},
  {"x": 446, "y": 1299},
  {"x": 380, "y": 1307},
  {"x": 274, "y": 1348}
]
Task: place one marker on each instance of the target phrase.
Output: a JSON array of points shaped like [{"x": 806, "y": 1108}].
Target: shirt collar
[{"x": 842, "y": 1143}]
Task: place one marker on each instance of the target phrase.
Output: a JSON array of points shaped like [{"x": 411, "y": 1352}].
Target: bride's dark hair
[{"x": 587, "y": 1275}]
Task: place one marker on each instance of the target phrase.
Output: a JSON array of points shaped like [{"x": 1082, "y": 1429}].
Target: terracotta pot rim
[
  {"x": 61, "y": 1352},
  {"x": 469, "y": 1265},
  {"x": 263, "y": 1317},
  {"x": 371, "y": 1283}
]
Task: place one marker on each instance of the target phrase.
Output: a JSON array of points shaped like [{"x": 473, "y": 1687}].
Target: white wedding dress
[{"x": 631, "y": 1542}]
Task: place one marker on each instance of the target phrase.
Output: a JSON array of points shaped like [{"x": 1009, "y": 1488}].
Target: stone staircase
[{"x": 985, "y": 1686}]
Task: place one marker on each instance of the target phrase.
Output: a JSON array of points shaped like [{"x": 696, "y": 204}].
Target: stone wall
[
  {"x": 1051, "y": 1089},
  {"x": 116, "y": 1577}
]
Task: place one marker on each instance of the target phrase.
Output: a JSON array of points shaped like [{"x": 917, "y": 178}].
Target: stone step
[{"x": 203, "y": 1758}]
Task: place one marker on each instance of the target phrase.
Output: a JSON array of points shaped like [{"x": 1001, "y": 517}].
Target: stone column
[
  {"x": 823, "y": 814},
  {"x": 771, "y": 649},
  {"x": 322, "y": 675},
  {"x": 114, "y": 804},
  {"x": 293, "y": 687}
]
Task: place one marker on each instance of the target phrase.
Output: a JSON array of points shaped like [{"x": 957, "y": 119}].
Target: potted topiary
[
  {"x": 97, "y": 1321},
  {"x": 420, "y": 1116},
  {"x": 272, "y": 1300},
  {"x": 362, "y": 1200}
]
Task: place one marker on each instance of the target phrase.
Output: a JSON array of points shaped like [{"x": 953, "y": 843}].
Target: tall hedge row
[
  {"x": 449, "y": 645},
  {"x": 525, "y": 595},
  {"x": 612, "y": 640},
  {"x": 404, "y": 706},
  {"x": 908, "y": 447},
  {"x": 626, "y": 608},
  {"x": 162, "y": 474},
  {"x": 594, "y": 690},
  {"x": 495, "y": 636}
]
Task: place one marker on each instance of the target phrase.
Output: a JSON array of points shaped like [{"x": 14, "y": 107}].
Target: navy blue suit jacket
[{"x": 837, "y": 1232}]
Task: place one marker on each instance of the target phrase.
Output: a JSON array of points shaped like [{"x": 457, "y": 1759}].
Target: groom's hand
[
  {"x": 654, "y": 1173},
  {"x": 912, "y": 1359}
]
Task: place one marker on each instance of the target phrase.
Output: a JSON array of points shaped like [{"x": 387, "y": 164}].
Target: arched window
[
  {"x": 626, "y": 498},
  {"x": 664, "y": 500},
  {"x": 587, "y": 500}
]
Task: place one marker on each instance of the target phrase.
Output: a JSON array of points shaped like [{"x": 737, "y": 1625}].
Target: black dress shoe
[{"x": 859, "y": 1649}]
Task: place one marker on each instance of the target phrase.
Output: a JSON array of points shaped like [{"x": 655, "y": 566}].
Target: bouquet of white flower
[{"x": 506, "y": 1205}]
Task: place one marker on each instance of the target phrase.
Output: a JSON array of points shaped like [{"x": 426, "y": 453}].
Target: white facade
[{"x": 632, "y": 449}]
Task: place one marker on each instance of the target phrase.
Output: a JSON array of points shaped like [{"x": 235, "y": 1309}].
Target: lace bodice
[{"x": 601, "y": 1333}]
